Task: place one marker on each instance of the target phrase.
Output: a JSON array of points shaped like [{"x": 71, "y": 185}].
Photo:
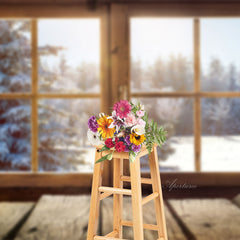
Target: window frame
[
  {"x": 120, "y": 47},
  {"x": 115, "y": 70},
  {"x": 33, "y": 13},
  {"x": 195, "y": 12}
]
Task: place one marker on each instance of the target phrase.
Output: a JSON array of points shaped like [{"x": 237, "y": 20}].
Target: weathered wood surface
[
  {"x": 66, "y": 217},
  {"x": 174, "y": 231},
  {"x": 236, "y": 200},
  {"x": 12, "y": 215},
  {"x": 209, "y": 218},
  {"x": 57, "y": 217}
]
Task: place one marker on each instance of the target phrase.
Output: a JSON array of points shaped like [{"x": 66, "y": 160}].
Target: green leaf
[
  {"x": 109, "y": 156},
  {"x": 132, "y": 156},
  {"x": 104, "y": 148},
  {"x": 106, "y": 157}
]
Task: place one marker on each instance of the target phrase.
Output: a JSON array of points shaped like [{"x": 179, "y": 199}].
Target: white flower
[
  {"x": 101, "y": 115},
  {"x": 138, "y": 129},
  {"x": 114, "y": 114},
  {"x": 94, "y": 138},
  {"x": 117, "y": 121},
  {"x": 120, "y": 134}
]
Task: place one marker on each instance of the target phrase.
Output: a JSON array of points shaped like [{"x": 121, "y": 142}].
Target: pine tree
[
  {"x": 87, "y": 77},
  {"x": 137, "y": 78},
  {"x": 233, "y": 126},
  {"x": 15, "y": 76},
  {"x": 15, "y": 115},
  {"x": 63, "y": 122},
  {"x": 179, "y": 73},
  {"x": 214, "y": 78}
]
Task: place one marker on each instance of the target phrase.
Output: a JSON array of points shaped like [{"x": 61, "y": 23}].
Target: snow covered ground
[
  {"x": 221, "y": 153},
  {"x": 89, "y": 157},
  {"x": 218, "y": 154}
]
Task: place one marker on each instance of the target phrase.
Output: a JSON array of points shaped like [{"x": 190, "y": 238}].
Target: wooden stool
[{"x": 100, "y": 192}]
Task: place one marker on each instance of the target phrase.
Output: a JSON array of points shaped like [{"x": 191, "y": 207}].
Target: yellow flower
[
  {"x": 137, "y": 139},
  {"x": 104, "y": 129}
]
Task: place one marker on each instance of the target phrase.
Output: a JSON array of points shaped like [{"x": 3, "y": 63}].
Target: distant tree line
[{"x": 220, "y": 116}]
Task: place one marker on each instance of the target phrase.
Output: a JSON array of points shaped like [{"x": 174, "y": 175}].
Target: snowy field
[
  {"x": 89, "y": 157},
  {"x": 218, "y": 154}
]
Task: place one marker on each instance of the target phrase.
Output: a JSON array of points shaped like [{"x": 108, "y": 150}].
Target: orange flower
[{"x": 104, "y": 129}]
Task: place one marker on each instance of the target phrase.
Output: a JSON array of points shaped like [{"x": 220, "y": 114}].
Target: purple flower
[
  {"x": 92, "y": 124},
  {"x": 127, "y": 140},
  {"x": 126, "y": 149},
  {"x": 136, "y": 148}
]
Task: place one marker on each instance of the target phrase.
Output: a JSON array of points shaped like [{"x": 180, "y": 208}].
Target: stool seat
[
  {"x": 124, "y": 155},
  {"x": 100, "y": 192}
]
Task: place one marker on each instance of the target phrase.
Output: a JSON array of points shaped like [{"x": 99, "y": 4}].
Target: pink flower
[
  {"x": 140, "y": 113},
  {"x": 122, "y": 108},
  {"x": 130, "y": 120},
  {"x": 141, "y": 122}
]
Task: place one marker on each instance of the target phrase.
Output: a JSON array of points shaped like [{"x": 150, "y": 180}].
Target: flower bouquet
[{"x": 126, "y": 130}]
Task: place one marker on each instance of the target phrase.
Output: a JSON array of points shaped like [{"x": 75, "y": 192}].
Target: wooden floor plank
[
  {"x": 57, "y": 218},
  {"x": 209, "y": 219},
  {"x": 11, "y": 215},
  {"x": 236, "y": 200},
  {"x": 174, "y": 231}
]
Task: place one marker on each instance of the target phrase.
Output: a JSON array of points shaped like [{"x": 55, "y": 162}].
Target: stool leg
[
  {"x": 117, "y": 198},
  {"x": 156, "y": 185},
  {"x": 136, "y": 199},
  {"x": 95, "y": 198}
]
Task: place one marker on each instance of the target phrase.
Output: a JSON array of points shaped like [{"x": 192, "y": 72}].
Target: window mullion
[
  {"x": 197, "y": 98},
  {"x": 34, "y": 103}
]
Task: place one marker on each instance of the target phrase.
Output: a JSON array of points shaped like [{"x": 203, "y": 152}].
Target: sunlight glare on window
[
  {"x": 69, "y": 51},
  {"x": 220, "y": 58},
  {"x": 161, "y": 54}
]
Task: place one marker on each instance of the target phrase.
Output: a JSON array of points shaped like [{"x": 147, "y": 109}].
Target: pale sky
[
  {"x": 80, "y": 37},
  {"x": 220, "y": 38},
  {"x": 150, "y": 38},
  {"x": 154, "y": 37}
]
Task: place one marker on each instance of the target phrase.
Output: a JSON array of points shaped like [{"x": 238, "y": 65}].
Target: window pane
[
  {"x": 176, "y": 114},
  {"x": 69, "y": 55},
  {"x": 63, "y": 144},
  {"x": 220, "y": 55},
  {"x": 220, "y": 134},
  {"x": 15, "y": 56},
  {"x": 161, "y": 54},
  {"x": 15, "y": 135}
]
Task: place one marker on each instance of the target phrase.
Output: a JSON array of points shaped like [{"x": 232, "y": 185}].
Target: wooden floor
[{"x": 66, "y": 218}]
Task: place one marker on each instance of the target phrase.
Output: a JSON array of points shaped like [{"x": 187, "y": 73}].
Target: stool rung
[
  {"x": 112, "y": 234},
  {"x": 107, "y": 238},
  {"x": 149, "y": 198},
  {"x": 143, "y": 180},
  {"x": 105, "y": 195},
  {"x": 115, "y": 190},
  {"x": 146, "y": 226}
]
